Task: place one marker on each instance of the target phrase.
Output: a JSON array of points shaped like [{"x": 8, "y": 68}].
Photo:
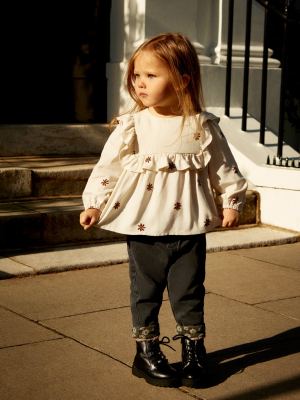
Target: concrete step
[
  {"x": 44, "y": 176},
  {"x": 30, "y": 223},
  {"x": 55, "y": 259},
  {"x": 48, "y": 139}
]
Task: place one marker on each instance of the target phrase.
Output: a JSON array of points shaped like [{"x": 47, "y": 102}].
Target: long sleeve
[
  {"x": 224, "y": 175},
  {"x": 108, "y": 170}
]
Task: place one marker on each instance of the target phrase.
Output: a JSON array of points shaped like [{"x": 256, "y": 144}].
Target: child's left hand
[{"x": 230, "y": 217}]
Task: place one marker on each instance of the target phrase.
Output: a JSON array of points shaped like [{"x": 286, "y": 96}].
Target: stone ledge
[
  {"x": 57, "y": 259},
  {"x": 48, "y": 222},
  {"x": 49, "y": 139},
  {"x": 44, "y": 176}
]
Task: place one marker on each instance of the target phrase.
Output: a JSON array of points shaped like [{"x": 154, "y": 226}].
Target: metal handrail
[{"x": 286, "y": 20}]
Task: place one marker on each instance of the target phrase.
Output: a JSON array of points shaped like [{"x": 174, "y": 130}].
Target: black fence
[{"x": 286, "y": 21}]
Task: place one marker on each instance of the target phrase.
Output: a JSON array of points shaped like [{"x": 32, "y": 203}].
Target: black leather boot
[
  {"x": 151, "y": 364},
  {"x": 194, "y": 362}
]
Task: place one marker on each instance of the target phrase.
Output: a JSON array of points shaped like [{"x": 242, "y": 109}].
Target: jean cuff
[
  {"x": 191, "y": 331},
  {"x": 145, "y": 332}
]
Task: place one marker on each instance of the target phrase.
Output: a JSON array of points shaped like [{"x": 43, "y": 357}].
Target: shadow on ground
[{"x": 234, "y": 360}]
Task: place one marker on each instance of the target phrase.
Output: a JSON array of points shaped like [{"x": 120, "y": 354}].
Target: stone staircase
[{"x": 41, "y": 201}]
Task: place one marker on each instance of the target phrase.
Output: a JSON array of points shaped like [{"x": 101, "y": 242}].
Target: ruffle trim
[{"x": 173, "y": 162}]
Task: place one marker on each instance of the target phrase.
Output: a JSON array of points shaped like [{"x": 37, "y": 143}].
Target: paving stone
[
  {"x": 63, "y": 369},
  {"x": 230, "y": 324},
  {"x": 266, "y": 373},
  {"x": 250, "y": 281},
  {"x": 16, "y": 330},
  {"x": 287, "y": 307},
  {"x": 287, "y": 255},
  {"x": 67, "y": 293},
  {"x": 247, "y": 238},
  {"x": 10, "y": 268},
  {"x": 65, "y": 258}
]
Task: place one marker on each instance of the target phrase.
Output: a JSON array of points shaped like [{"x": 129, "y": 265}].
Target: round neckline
[{"x": 162, "y": 118}]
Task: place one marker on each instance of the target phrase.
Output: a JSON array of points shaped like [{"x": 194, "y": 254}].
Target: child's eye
[
  {"x": 151, "y": 76},
  {"x": 136, "y": 75}
]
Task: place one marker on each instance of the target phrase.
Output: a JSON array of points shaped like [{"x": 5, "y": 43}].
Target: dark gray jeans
[{"x": 175, "y": 262}]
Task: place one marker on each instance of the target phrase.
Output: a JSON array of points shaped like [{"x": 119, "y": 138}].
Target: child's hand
[
  {"x": 231, "y": 218},
  {"x": 89, "y": 217}
]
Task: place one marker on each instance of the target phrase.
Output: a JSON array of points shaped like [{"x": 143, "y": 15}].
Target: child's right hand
[{"x": 89, "y": 217}]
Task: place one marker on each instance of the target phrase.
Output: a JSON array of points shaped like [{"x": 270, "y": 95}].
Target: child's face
[{"x": 152, "y": 83}]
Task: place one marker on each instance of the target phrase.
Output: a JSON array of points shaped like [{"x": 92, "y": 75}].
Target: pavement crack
[
  {"x": 28, "y": 343},
  {"x": 83, "y": 344},
  {"x": 190, "y": 394},
  {"x": 273, "y": 301},
  {"x": 263, "y": 261},
  {"x": 83, "y": 313}
]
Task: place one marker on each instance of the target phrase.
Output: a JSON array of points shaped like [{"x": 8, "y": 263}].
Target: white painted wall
[
  {"x": 279, "y": 187},
  {"x": 205, "y": 23}
]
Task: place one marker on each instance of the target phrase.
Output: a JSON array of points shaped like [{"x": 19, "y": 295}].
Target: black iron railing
[{"x": 286, "y": 20}]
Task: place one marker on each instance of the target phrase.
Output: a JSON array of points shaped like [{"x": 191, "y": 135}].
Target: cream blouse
[{"x": 152, "y": 179}]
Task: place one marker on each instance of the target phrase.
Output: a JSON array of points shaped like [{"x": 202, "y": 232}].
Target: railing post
[
  {"x": 264, "y": 82},
  {"x": 229, "y": 56},
  {"x": 246, "y": 67},
  {"x": 282, "y": 89}
]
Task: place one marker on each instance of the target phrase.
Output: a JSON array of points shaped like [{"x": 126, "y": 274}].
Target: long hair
[{"x": 180, "y": 57}]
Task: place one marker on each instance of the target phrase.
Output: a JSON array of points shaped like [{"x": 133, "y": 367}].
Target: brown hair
[{"x": 180, "y": 57}]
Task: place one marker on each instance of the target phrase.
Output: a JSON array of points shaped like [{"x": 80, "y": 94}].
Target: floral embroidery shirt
[{"x": 154, "y": 179}]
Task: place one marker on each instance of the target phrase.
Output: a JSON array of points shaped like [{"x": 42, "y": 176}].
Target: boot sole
[
  {"x": 156, "y": 382},
  {"x": 194, "y": 383}
]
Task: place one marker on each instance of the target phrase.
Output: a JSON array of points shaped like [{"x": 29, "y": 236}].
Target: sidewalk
[{"x": 66, "y": 335}]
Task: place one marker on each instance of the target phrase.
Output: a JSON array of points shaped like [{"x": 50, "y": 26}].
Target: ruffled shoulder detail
[
  {"x": 165, "y": 161},
  {"x": 206, "y": 121}
]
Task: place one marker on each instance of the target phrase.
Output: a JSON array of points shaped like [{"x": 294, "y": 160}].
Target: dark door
[{"x": 53, "y": 61}]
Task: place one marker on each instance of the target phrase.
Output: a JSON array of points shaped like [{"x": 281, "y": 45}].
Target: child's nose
[{"x": 141, "y": 83}]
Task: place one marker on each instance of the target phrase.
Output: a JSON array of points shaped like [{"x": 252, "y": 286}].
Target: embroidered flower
[
  {"x": 206, "y": 222},
  {"x": 105, "y": 182},
  {"x": 186, "y": 328},
  {"x": 148, "y": 159},
  {"x": 149, "y": 186},
  {"x": 235, "y": 170},
  {"x": 179, "y": 328},
  {"x": 235, "y": 199},
  {"x": 199, "y": 182},
  {"x": 142, "y": 336},
  {"x": 134, "y": 330},
  {"x": 172, "y": 165},
  {"x": 145, "y": 332},
  {"x": 197, "y": 136},
  {"x": 192, "y": 331},
  {"x": 117, "y": 205},
  {"x": 141, "y": 227},
  {"x": 177, "y": 206}
]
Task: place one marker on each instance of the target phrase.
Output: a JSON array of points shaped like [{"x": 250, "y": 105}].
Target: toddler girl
[{"x": 154, "y": 182}]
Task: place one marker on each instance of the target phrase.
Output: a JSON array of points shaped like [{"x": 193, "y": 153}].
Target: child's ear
[{"x": 185, "y": 80}]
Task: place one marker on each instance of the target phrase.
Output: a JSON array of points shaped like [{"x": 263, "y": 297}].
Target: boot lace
[
  {"x": 158, "y": 355},
  {"x": 190, "y": 354}
]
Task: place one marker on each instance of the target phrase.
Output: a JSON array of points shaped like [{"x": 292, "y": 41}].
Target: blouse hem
[{"x": 125, "y": 232}]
